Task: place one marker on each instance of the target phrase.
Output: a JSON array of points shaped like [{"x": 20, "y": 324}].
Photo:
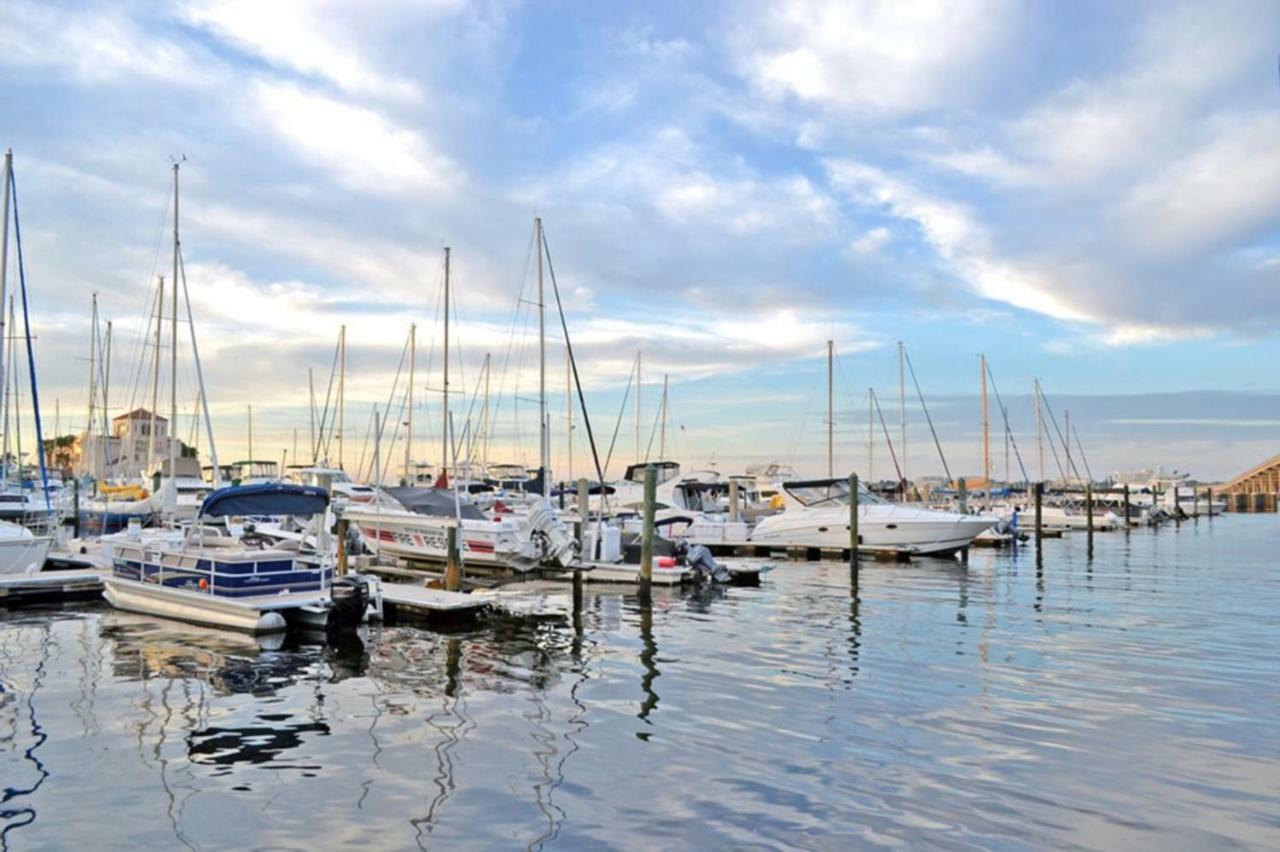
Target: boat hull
[
  {"x": 919, "y": 531},
  {"x": 23, "y": 555},
  {"x": 256, "y": 615},
  {"x": 425, "y": 537}
]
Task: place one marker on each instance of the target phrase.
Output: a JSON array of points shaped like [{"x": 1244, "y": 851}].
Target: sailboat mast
[
  {"x": 4, "y": 251},
  {"x": 444, "y": 425},
  {"x": 8, "y": 392},
  {"x": 639, "y": 364},
  {"x": 1039, "y": 431},
  {"x": 342, "y": 395},
  {"x": 831, "y": 414},
  {"x": 871, "y": 427},
  {"x": 155, "y": 374},
  {"x": 902, "y": 416},
  {"x": 1066, "y": 422},
  {"x": 488, "y": 364},
  {"x": 311, "y": 406},
  {"x": 662, "y": 449},
  {"x": 986, "y": 434},
  {"x": 408, "y": 437},
  {"x": 90, "y": 443},
  {"x": 250, "y": 424},
  {"x": 544, "y": 439},
  {"x": 173, "y": 352},
  {"x": 106, "y": 383}
]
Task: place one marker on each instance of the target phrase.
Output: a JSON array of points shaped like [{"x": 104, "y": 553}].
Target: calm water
[{"x": 1131, "y": 701}]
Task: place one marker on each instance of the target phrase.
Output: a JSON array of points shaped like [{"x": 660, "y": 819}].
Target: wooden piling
[
  {"x": 1177, "y": 509},
  {"x": 584, "y": 510},
  {"x": 962, "y": 495},
  {"x": 75, "y": 507},
  {"x": 1126, "y": 508},
  {"x": 340, "y": 532},
  {"x": 733, "y": 501},
  {"x": 1208, "y": 502},
  {"x": 452, "y": 566},
  {"x": 1088, "y": 514},
  {"x": 1039, "y": 512},
  {"x": 646, "y": 535},
  {"x": 853, "y": 521}
]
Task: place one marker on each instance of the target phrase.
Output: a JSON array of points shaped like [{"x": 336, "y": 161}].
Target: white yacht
[
  {"x": 816, "y": 514},
  {"x": 21, "y": 550}
]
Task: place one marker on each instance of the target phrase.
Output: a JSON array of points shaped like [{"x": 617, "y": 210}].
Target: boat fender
[
  {"x": 666, "y": 562},
  {"x": 204, "y": 584}
]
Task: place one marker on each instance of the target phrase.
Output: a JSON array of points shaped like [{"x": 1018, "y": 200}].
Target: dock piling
[
  {"x": 340, "y": 532},
  {"x": 1208, "y": 503},
  {"x": 853, "y": 521},
  {"x": 1088, "y": 514},
  {"x": 1039, "y": 492},
  {"x": 733, "y": 501},
  {"x": 646, "y": 535},
  {"x": 1127, "y": 520},
  {"x": 584, "y": 509},
  {"x": 1177, "y": 509},
  {"x": 452, "y": 566}
]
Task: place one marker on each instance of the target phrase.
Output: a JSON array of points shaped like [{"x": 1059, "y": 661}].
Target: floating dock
[
  {"x": 49, "y": 586},
  {"x": 406, "y": 602}
]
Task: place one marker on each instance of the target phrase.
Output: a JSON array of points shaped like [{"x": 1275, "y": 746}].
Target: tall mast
[
  {"x": 444, "y": 426},
  {"x": 106, "y": 383},
  {"x": 408, "y": 437},
  {"x": 568, "y": 411},
  {"x": 662, "y": 448},
  {"x": 1066, "y": 415},
  {"x": 311, "y": 387},
  {"x": 90, "y": 442},
  {"x": 8, "y": 394},
  {"x": 173, "y": 352},
  {"x": 639, "y": 360},
  {"x": 250, "y": 423},
  {"x": 871, "y": 428},
  {"x": 831, "y": 414},
  {"x": 986, "y": 434},
  {"x": 544, "y": 439},
  {"x": 4, "y": 251},
  {"x": 342, "y": 395},
  {"x": 1039, "y": 431},
  {"x": 17, "y": 389},
  {"x": 484, "y": 435},
  {"x": 902, "y": 417},
  {"x": 155, "y": 375}
]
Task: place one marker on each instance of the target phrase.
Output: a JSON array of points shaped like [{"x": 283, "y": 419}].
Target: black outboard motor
[{"x": 349, "y": 598}]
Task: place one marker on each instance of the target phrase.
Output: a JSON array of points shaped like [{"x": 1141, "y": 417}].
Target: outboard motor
[
  {"x": 349, "y": 598},
  {"x": 705, "y": 568},
  {"x": 558, "y": 543}
]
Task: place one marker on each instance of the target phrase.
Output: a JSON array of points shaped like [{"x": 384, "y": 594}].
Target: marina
[{"x": 1092, "y": 702}]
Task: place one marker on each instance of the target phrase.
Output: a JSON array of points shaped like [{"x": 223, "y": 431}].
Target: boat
[
  {"x": 206, "y": 575},
  {"x": 21, "y": 550},
  {"x": 418, "y": 529},
  {"x": 816, "y": 514}
]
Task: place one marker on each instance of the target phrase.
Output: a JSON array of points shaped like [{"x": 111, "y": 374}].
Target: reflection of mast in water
[
  {"x": 90, "y": 670},
  {"x": 454, "y": 707},
  {"x": 26, "y": 813}
]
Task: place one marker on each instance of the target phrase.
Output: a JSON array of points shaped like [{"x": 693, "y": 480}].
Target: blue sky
[{"x": 1089, "y": 193}]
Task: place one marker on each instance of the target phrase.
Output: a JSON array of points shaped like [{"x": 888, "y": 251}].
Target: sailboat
[{"x": 21, "y": 550}]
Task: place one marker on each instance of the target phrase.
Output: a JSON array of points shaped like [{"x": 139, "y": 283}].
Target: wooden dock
[
  {"x": 406, "y": 602},
  {"x": 48, "y": 586}
]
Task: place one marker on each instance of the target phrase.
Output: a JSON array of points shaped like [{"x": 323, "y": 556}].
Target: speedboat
[
  {"x": 418, "y": 529},
  {"x": 21, "y": 550},
  {"x": 206, "y": 575},
  {"x": 816, "y": 514}
]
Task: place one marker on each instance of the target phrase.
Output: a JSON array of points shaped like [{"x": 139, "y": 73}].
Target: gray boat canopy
[
  {"x": 436, "y": 502},
  {"x": 265, "y": 498}
]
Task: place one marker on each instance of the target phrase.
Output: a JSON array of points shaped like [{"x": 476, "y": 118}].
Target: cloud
[
  {"x": 872, "y": 241},
  {"x": 315, "y": 38},
  {"x": 362, "y": 149}
]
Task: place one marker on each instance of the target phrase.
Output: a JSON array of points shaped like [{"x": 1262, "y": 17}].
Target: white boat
[
  {"x": 204, "y": 575},
  {"x": 816, "y": 514},
  {"x": 419, "y": 528},
  {"x": 1060, "y": 517},
  {"x": 21, "y": 550}
]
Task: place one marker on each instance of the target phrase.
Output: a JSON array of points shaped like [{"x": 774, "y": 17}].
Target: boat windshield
[{"x": 833, "y": 493}]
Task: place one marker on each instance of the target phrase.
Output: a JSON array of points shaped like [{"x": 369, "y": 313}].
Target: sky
[{"x": 1088, "y": 193}]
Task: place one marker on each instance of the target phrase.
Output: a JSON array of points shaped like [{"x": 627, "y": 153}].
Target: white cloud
[
  {"x": 312, "y": 37},
  {"x": 872, "y": 241},
  {"x": 363, "y": 149},
  {"x": 874, "y": 57}
]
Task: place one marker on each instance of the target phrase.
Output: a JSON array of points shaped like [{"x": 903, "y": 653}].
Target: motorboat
[
  {"x": 21, "y": 550},
  {"x": 816, "y": 514},
  {"x": 205, "y": 574},
  {"x": 341, "y": 487},
  {"x": 418, "y": 529}
]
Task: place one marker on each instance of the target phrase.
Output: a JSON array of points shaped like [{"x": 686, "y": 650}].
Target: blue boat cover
[{"x": 265, "y": 498}]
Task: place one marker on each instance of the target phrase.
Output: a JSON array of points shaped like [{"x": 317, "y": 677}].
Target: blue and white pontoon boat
[{"x": 205, "y": 575}]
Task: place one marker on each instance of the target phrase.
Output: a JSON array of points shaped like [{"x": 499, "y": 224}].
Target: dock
[
  {"x": 49, "y": 586},
  {"x": 406, "y": 602}
]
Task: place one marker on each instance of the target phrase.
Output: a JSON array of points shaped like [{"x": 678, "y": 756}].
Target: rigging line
[
  {"x": 875, "y": 401},
  {"x": 31, "y": 355},
  {"x": 573, "y": 362},
  {"x": 321, "y": 441},
  {"x": 202, "y": 401},
  {"x": 622, "y": 410},
  {"x": 657, "y": 419},
  {"x": 511, "y": 336},
  {"x": 929, "y": 419},
  {"x": 1083, "y": 457},
  {"x": 382, "y": 426},
  {"x": 793, "y": 445},
  {"x": 1054, "y": 420},
  {"x": 1004, "y": 412},
  {"x": 855, "y": 422}
]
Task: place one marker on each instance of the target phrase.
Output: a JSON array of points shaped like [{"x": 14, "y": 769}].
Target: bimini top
[{"x": 265, "y": 498}]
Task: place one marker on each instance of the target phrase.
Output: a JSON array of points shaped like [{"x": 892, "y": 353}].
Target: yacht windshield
[{"x": 833, "y": 493}]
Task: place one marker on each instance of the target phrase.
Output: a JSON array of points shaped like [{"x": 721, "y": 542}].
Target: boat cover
[
  {"x": 265, "y": 498},
  {"x": 436, "y": 502}
]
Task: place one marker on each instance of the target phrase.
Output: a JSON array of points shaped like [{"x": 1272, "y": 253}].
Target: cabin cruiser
[
  {"x": 418, "y": 528},
  {"x": 1061, "y": 517},
  {"x": 816, "y": 514},
  {"x": 21, "y": 550},
  {"x": 205, "y": 574},
  {"x": 342, "y": 488}
]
